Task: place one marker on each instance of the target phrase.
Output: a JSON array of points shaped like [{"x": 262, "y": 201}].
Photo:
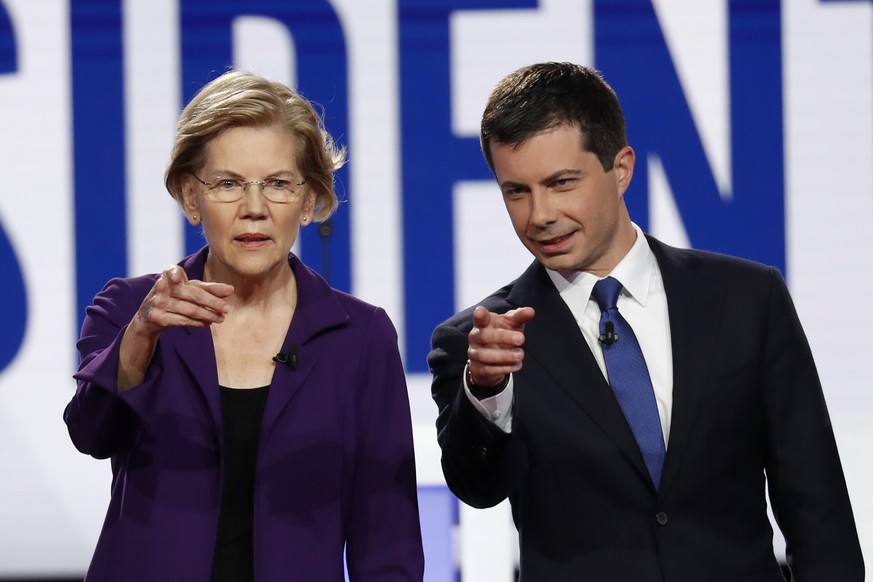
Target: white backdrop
[{"x": 52, "y": 499}]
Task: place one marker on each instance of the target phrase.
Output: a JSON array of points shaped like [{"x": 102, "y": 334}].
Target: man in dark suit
[{"x": 620, "y": 467}]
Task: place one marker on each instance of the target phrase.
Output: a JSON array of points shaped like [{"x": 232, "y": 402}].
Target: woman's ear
[
  {"x": 189, "y": 201},
  {"x": 306, "y": 213}
]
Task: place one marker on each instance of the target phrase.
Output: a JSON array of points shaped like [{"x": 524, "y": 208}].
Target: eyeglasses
[{"x": 276, "y": 190}]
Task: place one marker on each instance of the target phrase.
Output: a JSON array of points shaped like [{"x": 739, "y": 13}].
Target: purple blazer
[{"x": 335, "y": 466}]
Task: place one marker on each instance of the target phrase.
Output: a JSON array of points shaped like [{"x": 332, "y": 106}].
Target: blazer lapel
[
  {"x": 318, "y": 310},
  {"x": 195, "y": 349},
  {"x": 694, "y": 303},
  {"x": 554, "y": 340},
  {"x": 197, "y": 353}
]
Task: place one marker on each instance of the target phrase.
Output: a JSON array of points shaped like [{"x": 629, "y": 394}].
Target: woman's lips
[{"x": 252, "y": 240}]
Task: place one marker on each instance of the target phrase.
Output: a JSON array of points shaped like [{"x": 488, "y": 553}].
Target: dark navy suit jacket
[
  {"x": 747, "y": 403},
  {"x": 335, "y": 459}
]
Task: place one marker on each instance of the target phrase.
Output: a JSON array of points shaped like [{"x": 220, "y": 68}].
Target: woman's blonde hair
[{"x": 241, "y": 99}]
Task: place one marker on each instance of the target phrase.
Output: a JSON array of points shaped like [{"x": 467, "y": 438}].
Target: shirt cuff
[{"x": 497, "y": 408}]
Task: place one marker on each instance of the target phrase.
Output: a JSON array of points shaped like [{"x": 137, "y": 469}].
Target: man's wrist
[{"x": 481, "y": 392}]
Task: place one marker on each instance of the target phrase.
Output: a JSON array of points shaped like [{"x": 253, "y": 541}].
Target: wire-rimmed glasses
[{"x": 278, "y": 190}]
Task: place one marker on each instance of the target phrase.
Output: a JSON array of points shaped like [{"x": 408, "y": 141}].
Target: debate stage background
[{"x": 752, "y": 121}]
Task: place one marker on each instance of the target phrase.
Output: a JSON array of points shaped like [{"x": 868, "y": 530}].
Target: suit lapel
[
  {"x": 554, "y": 340},
  {"x": 695, "y": 304}
]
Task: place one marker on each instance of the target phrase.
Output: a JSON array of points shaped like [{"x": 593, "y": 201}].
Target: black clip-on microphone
[
  {"x": 608, "y": 337},
  {"x": 288, "y": 358}
]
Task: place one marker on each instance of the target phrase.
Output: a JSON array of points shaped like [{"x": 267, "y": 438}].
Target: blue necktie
[{"x": 629, "y": 376}]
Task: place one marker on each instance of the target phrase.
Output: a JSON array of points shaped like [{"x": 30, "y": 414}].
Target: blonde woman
[{"x": 257, "y": 419}]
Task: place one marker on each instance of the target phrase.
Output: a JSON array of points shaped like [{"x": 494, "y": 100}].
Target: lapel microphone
[
  {"x": 288, "y": 358},
  {"x": 608, "y": 337}
]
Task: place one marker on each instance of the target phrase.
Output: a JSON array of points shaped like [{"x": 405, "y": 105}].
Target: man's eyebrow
[
  {"x": 512, "y": 184},
  {"x": 563, "y": 173},
  {"x": 568, "y": 172}
]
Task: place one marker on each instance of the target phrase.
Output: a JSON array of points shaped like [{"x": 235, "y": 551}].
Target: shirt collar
[{"x": 634, "y": 271}]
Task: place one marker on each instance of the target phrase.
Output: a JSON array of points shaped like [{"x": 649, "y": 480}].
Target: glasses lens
[
  {"x": 225, "y": 190},
  {"x": 281, "y": 191}
]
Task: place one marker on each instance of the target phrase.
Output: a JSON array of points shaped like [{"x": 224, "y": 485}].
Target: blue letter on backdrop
[
  {"x": 433, "y": 160},
  {"x": 752, "y": 223},
  {"x": 13, "y": 296},
  {"x": 98, "y": 146},
  {"x": 8, "y": 52},
  {"x": 322, "y": 75}
]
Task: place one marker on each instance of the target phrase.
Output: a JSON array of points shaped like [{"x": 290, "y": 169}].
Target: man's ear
[{"x": 624, "y": 168}]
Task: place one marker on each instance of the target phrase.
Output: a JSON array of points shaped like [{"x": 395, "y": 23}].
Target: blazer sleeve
[
  {"x": 100, "y": 421},
  {"x": 384, "y": 538},
  {"x": 805, "y": 478},
  {"x": 480, "y": 462}
]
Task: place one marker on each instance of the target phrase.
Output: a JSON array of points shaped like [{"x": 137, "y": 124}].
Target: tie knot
[{"x": 605, "y": 293}]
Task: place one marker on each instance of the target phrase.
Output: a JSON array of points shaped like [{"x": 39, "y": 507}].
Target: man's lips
[{"x": 553, "y": 244}]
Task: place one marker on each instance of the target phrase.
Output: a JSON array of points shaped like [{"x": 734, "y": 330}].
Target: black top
[{"x": 241, "y": 414}]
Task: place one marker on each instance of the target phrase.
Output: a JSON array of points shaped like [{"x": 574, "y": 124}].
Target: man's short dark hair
[{"x": 545, "y": 95}]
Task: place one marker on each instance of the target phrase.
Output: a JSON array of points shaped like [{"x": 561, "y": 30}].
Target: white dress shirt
[{"x": 642, "y": 303}]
